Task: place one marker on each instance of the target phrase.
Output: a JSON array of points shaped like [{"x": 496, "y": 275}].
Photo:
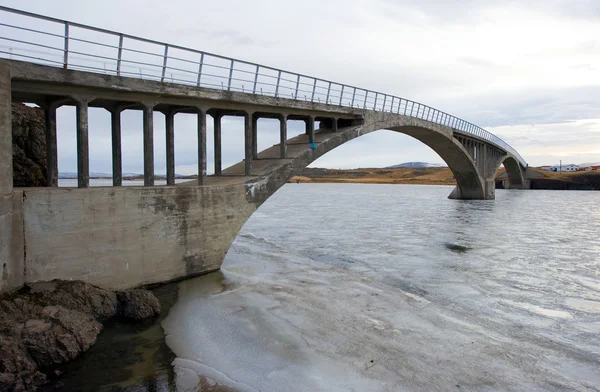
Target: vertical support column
[
  {"x": 117, "y": 165},
  {"x": 283, "y": 136},
  {"x": 310, "y": 129},
  {"x": 6, "y": 150},
  {"x": 83, "y": 146},
  {"x": 334, "y": 124},
  {"x": 170, "y": 144},
  {"x": 51, "y": 145},
  {"x": 201, "y": 146},
  {"x": 148, "y": 144},
  {"x": 249, "y": 143},
  {"x": 217, "y": 142},
  {"x": 255, "y": 136}
]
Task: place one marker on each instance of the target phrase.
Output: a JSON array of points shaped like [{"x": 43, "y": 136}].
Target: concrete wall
[
  {"x": 124, "y": 237},
  {"x": 11, "y": 219}
]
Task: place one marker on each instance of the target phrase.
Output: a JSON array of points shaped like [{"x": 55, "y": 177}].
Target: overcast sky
[{"x": 526, "y": 71}]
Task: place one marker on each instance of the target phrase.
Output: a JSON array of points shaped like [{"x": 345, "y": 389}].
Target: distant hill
[{"x": 415, "y": 165}]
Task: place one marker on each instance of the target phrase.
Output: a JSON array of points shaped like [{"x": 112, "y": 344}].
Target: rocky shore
[{"x": 46, "y": 324}]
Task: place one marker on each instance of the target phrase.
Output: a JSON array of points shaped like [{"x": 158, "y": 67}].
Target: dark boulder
[
  {"x": 29, "y": 146},
  {"x": 138, "y": 304}
]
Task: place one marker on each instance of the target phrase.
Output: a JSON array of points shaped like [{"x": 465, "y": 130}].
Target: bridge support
[
  {"x": 250, "y": 121},
  {"x": 217, "y": 142},
  {"x": 170, "y": 145},
  {"x": 148, "y": 144},
  {"x": 117, "y": 163},
  {"x": 83, "y": 146},
  {"x": 255, "y": 136},
  {"x": 283, "y": 136},
  {"x": 51, "y": 144},
  {"x": 201, "y": 146},
  {"x": 310, "y": 129}
]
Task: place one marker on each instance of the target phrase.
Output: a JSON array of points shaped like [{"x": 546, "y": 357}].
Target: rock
[
  {"x": 29, "y": 146},
  {"x": 60, "y": 336},
  {"x": 17, "y": 368},
  {"x": 77, "y": 295},
  {"x": 138, "y": 304}
]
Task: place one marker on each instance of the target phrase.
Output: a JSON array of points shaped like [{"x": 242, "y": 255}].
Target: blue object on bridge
[{"x": 313, "y": 145}]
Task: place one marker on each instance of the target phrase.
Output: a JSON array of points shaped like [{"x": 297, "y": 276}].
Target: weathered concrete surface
[
  {"x": 11, "y": 241},
  {"x": 11, "y": 220},
  {"x": 126, "y": 237}
]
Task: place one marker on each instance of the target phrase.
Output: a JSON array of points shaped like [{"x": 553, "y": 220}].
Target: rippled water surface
[{"x": 347, "y": 287}]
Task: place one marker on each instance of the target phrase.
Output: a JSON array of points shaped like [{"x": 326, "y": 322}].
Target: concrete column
[
  {"x": 249, "y": 132},
  {"x": 254, "y": 136},
  {"x": 117, "y": 161},
  {"x": 51, "y": 145},
  {"x": 83, "y": 145},
  {"x": 217, "y": 142},
  {"x": 170, "y": 145},
  {"x": 283, "y": 135},
  {"x": 6, "y": 152},
  {"x": 201, "y": 146},
  {"x": 148, "y": 145},
  {"x": 334, "y": 125},
  {"x": 310, "y": 129}
]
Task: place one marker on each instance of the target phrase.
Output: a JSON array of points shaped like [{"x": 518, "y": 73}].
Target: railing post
[
  {"x": 119, "y": 54},
  {"x": 366, "y": 95},
  {"x": 400, "y": 105},
  {"x": 66, "y": 50},
  {"x": 353, "y": 95},
  {"x": 384, "y": 99},
  {"x": 328, "y": 91},
  {"x": 392, "y": 105},
  {"x": 255, "y": 80},
  {"x": 164, "y": 67},
  {"x": 297, "y": 86},
  {"x": 412, "y": 107},
  {"x": 200, "y": 69},
  {"x": 342, "y": 94},
  {"x": 277, "y": 86},
  {"x": 375, "y": 104},
  {"x": 312, "y": 99},
  {"x": 230, "y": 76}
]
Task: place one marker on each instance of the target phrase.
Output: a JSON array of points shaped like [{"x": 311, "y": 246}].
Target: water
[
  {"x": 349, "y": 287},
  {"x": 72, "y": 182}
]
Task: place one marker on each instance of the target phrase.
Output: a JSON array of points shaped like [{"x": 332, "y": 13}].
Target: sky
[{"x": 528, "y": 72}]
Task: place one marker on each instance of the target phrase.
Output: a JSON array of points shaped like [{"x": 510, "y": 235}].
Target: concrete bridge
[{"x": 128, "y": 236}]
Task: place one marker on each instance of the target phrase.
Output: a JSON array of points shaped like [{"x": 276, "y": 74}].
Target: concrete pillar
[
  {"x": 117, "y": 161},
  {"x": 148, "y": 144},
  {"x": 217, "y": 142},
  {"x": 249, "y": 132},
  {"x": 310, "y": 129},
  {"x": 83, "y": 145},
  {"x": 334, "y": 125},
  {"x": 201, "y": 146},
  {"x": 170, "y": 145},
  {"x": 283, "y": 136},
  {"x": 51, "y": 145},
  {"x": 6, "y": 152},
  {"x": 254, "y": 136}
]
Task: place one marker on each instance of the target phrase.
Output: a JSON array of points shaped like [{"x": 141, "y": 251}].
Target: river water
[{"x": 351, "y": 287}]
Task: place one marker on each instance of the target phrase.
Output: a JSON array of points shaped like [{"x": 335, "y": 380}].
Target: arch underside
[{"x": 514, "y": 172}]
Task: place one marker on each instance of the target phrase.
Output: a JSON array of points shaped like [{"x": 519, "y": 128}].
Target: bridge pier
[
  {"x": 83, "y": 145},
  {"x": 170, "y": 145},
  {"x": 148, "y": 121},
  {"x": 117, "y": 155},
  {"x": 310, "y": 129},
  {"x": 254, "y": 136},
  {"x": 201, "y": 146},
  {"x": 250, "y": 122},
  {"x": 217, "y": 142},
  {"x": 283, "y": 136}
]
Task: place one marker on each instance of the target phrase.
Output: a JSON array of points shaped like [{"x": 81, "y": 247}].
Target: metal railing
[{"x": 40, "y": 39}]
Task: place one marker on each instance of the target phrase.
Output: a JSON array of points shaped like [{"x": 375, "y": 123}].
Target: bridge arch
[
  {"x": 514, "y": 173},
  {"x": 470, "y": 184}
]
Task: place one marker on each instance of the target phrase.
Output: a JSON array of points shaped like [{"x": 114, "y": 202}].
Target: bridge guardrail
[{"x": 54, "y": 42}]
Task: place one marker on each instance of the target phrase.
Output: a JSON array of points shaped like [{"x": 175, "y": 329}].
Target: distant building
[
  {"x": 546, "y": 168},
  {"x": 589, "y": 166},
  {"x": 569, "y": 167}
]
